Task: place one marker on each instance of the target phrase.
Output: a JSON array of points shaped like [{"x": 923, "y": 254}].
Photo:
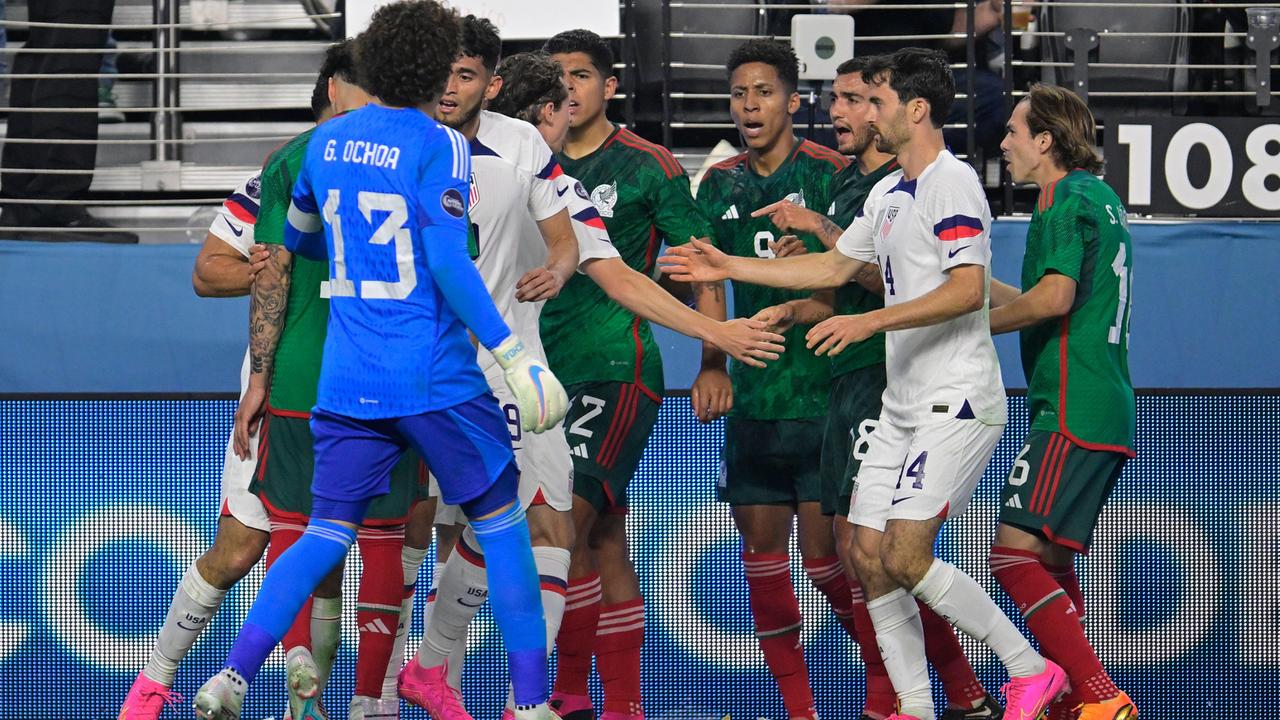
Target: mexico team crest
[
  {"x": 604, "y": 197},
  {"x": 796, "y": 198}
]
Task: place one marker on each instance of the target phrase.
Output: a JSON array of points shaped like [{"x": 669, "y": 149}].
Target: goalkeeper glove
[{"x": 539, "y": 395}]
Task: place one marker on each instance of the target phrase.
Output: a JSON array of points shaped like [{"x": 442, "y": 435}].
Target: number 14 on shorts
[{"x": 913, "y": 470}]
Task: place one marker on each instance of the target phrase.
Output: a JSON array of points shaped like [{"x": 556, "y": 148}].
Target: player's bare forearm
[
  {"x": 268, "y": 303},
  {"x": 961, "y": 293},
  {"x": 1051, "y": 298},
  {"x": 1002, "y": 293},
  {"x": 828, "y": 232},
  {"x": 813, "y": 309},
  {"x": 814, "y": 271},
  {"x": 871, "y": 279},
  {"x": 646, "y": 298},
  {"x": 708, "y": 297},
  {"x": 220, "y": 270}
]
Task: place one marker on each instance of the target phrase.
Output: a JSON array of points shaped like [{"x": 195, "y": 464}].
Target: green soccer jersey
[
  {"x": 1077, "y": 367},
  {"x": 797, "y": 384},
  {"x": 642, "y": 194},
  {"x": 850, "y": 188},
  {"x": 297, "y": 361}
]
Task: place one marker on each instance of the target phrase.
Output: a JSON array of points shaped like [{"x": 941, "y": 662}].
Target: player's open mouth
[
  {"x": 448, "y": 106},
  {"x": 752, "y": 128},
  {"x": 842, "y": 131}
]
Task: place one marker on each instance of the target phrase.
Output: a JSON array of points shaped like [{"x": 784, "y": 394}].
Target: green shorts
[
  {"x": 286, "y": 462},
  {"x": 771, "y": 462},
  {"x": 1057, "y": 489},
  {"x": 607, "y": 427},
  {"x": 852, "y": 417}
]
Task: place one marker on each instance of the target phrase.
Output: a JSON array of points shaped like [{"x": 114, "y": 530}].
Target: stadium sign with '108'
[{"x": 1215, "y": 167}]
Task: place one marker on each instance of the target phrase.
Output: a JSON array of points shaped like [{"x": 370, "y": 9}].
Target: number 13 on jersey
[{"x": 391, "y": 230}]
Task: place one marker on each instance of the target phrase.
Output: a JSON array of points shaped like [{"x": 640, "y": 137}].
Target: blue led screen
[{"x": 104, "y": 503}]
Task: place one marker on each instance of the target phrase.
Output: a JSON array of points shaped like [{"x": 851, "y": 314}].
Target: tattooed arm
[{"x": 268, "y": 301}]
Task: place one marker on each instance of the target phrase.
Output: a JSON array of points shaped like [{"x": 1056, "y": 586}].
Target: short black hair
[
  {"x": 916, "y": 73},
  {"x": 529, "y": 81},
  {"x": 853, "y": 65},
  {"x": 340, "y": 62},
  {"x": 770, "y": 52},
  {"x": 406, "y": 53},
  {"x": 480, "y": 40},
  {"x": 583, "y": 41}
]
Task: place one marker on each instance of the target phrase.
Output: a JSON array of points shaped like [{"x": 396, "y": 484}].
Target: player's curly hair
[
  {"x": 916, "y": 73},
  {"x": 405, "y": 55},
  {"x": 340, "y": 62},
  {"x": 583, "y": 41},
  {"x": 1068, "y": 120},
  {"x": 530, "y": 80},
  {"x": 480, "y": 40},
  {"x": 770, "y": 52}
]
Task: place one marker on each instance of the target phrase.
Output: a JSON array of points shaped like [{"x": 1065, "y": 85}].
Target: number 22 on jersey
[{"x": 391, "y": 230}]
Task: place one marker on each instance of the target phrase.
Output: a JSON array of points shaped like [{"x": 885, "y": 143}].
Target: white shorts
[
  {"x": 236, "y": 499},
  {"x": 544, "y": 461},
  {"x": 921, "y": 473}
]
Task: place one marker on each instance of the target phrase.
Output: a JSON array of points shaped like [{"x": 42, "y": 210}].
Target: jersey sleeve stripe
[
  {"x": 958, "y": 227},
  {"x": 730, "y": 163},
  {"x": 590, "y": 217},
  {"x": 304, "y": 222},
  {"x": 664, "y": 157},
  {"x": 818, "y": 152},
  {"x": 551, "y": 171},
  {"x": 240, "y": 212}
]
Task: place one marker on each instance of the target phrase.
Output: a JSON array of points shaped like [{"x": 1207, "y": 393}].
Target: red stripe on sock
[
  {"x": 576, "y": 642},
  {"x": 618, "y": 657},
  {"x": 777, "y": 617}
]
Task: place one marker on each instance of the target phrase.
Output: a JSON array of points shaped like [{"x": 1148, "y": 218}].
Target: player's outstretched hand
[
  {"x": 712, "y": 395},
  {"x": 789, "y": 217},
  {"x": 248, "y": 418},
  {"x": 777, "y": 318},
  {"x": 750, "y": 342},
  {"x": 258, "y": 256},
  {"x": 538, "y": 284},
  {"x": 833, "y": 335},
  {"x": 698, "y": 261},
  {"x": 786, "y": 246},
  {"x": 539, "y": 395}
]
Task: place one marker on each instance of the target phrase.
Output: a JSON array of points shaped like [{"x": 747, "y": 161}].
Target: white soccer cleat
[
  {"x": 304, "y": 685},
  {"x": 221, "y": 697},
  {"x": 367, "y": 708},
  {"x": 537, "y": 712},
  {"x": 539, "y": 395}
]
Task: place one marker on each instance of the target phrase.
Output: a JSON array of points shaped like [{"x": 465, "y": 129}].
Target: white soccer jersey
[
  {"x": 916, "y": 231},
  {"x": 237, "y": 214},
  {"x": 513, "y": 175},
  {"x": 588, "y": 226}
]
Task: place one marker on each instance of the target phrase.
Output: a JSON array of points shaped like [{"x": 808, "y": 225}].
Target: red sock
[
  {"x": 576, "y": 641},
  {"x": 378, "y": 605},
  {"x": 947, "y": 657},
  {"x": 284, "y": 533},
  {"x": 618, "y": 641},
  {"x": 1065, "y": 575},
  {"x": 882, "y": 701},
  {"x": 777, "y": 615},
  {"x": 1051, "y": 617}
]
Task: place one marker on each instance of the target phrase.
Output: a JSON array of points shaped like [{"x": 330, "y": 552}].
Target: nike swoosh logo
[
  {"x": 467, "y": 604},
  {"x": 895, "y": 501},
  {"x": 238, "y": 232},
  {"x": 188, "y": 629},
  {"x": 534, "y": 373},
  {"x": 952, "y": 253},
  {"x": 561, "y": 192}
]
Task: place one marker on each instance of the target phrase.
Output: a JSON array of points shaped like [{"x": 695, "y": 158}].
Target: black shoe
[{"x": 988, "y": 710}]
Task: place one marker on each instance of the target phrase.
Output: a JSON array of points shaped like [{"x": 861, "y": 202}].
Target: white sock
[
  {"x": 461, "y": 590},
  {"x": 192, "y": 607},
  {"x": 411, "y": 560},
  {"x": 962, "y": 601},
  {"x": 900, "y": 635},
  {"x": 326, "y": 633},
  {"x": 552, "y": 562}
]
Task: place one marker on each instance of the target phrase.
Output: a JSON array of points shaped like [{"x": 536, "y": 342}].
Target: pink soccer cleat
[
  {"x": 146, "y": 700},
  {"x": 1027, "y": 697},
  {"x": 571, "y": 707},
  {"x": 428, "y": 688}
]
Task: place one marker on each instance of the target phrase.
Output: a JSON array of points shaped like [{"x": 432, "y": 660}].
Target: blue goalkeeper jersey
[{"x": 388, "y": 188}]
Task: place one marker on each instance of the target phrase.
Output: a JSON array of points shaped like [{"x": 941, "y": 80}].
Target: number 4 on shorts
[{"x": 915, "y": 471}]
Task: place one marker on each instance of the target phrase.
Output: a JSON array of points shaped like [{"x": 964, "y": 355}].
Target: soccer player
[
  {"x": 225, "y": 267},
  {"x": 530, "y": 87},
  {"x": 927, "y": 226},
  {"x": 608, "y": 359},
  {"x": 773, "y": 437},
  {"x": 398, "y": 366},
  {"x": 858, "y": 382},
  {"x": 298, "y": 288},
  {"x": 1073, "y": 318}
]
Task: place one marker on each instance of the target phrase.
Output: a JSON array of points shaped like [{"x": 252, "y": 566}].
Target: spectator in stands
[
  {"x": 77, "y": 95},
  {"x": 989, "y": 114}
]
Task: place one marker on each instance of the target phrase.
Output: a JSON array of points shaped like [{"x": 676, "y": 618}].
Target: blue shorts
[{"x": 466, "y": 446}]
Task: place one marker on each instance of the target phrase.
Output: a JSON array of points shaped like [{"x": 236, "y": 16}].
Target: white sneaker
[
  {"x": 304, "y": 685},
  {"x": 221, "y": 697},
  {"x": 538, "y": 712},
  {"x": 367, "y": 708}
]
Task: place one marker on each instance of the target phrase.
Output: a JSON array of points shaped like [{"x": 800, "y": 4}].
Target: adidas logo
[
  {"x": 731, "y": 213},
  {"x": 580, "y": 450},
  {"x": 1014, "y": 502},
  {"x": 376, "y": 627}
]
